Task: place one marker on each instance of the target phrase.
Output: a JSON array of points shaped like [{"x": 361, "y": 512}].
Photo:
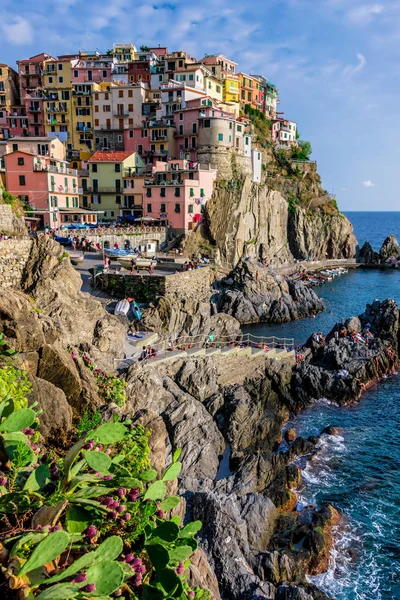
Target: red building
[
  {"x": 31, "y": 71},
  {"x": 139, "y": 70}
]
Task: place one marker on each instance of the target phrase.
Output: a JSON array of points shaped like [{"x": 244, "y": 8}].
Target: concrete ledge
[
  {"x": 257, "y": 352},
  {"x": 213, "y": 351},
  {"x": 244, "y": 351},
  {"x": 226, "y": 351},
  {"x": 148, "y": 339},
  {"x": 196, "y": 352},
  {"x": 271, "y": 353}
]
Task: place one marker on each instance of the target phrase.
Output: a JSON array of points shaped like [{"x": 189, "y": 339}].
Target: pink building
[
  {"x": 48, "y": 186},
  {"x": 178, "y": 193},
  {"x": 31, "y": 80},
  {"x": 88, "y": 68},
  {"x": 284, "y": 132}
]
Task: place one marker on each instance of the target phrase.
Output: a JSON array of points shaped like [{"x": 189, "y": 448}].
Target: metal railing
[{"x": 238, "y": 341}]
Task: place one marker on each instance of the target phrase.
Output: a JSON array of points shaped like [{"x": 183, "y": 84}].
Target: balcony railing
[
  {"x": 84, "y": 129},
  {"x": 166, "y": 183},
  {"x": 53, "y": 169},
  {"x": 133, "y": 173},
  {"x": 105, "y": 190},
  {"x": 121, "y": 114},
  {"x": 34, "y": 109},
  {"x": 35, "y": 122},
  {"x": 56, "y": 109}
]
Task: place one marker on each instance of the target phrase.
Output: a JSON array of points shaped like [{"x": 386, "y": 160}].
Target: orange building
[{"x": 250, "y": 91}]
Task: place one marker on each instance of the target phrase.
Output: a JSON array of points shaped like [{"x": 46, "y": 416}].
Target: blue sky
[{"x": 335, "y": 62}]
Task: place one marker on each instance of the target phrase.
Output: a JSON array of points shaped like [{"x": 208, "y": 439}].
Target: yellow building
[
  {"x": 9, "y": 86},
  {"x": 231, "y": 88},
  {"x": 57, "y": 100},
  {"x": 107, "y": 172},
  {"x": 214, "y": 87},
  {"x": 123, "y": 53}
]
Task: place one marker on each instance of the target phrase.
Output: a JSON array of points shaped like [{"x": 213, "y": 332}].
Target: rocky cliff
[{"x": 286, "y": 216}]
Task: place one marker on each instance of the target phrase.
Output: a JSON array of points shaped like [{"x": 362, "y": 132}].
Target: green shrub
[{"x": 93, "y": 522}]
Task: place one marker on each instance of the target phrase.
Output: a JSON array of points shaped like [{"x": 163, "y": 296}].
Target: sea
[{"x": 358, "y": 470}]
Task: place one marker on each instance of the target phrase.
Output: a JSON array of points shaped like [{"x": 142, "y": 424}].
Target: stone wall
[
  {"x": 147, "y": 288},
  {"x": 13, "y": 257},
  {"x": 225, "y": 160},
  {"x": 9, "y": 223}
]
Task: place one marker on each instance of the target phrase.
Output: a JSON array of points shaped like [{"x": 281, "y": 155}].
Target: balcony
[
  {"x": 165, "y": 183},
  {"x": 56, "y": 109},
  {"x": 35, "y": 122},
  {"x": 84, "y": 129},
  {"x": 105, "y": 190},
  {"x": 34, "y": 109},
  {"x": 53, "y": 169},
  {"x": 132, "y": 172},
  {"x": 83, "y": 172},
  {"x": 121, "y": 114}
]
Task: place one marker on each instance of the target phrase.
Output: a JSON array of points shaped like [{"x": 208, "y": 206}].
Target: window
[
  {"x": 202, "y": 194},
  {"x": 76, "y": 73},
  {"x": 191, "y": 175},
  {"x": 104, "y": 74},
  {"x": 144, "y": 132},
  {"x": 220, "y": 137},
  {"x": 94, "y": 168},
  {"x": 243, "y": 95},
  {"x": 130, "y": 107},
  {"x": 190, "y": 209},
  {"x": 149, "y": 208},
  {"x": 117, "y": 168},
  {"x": 181, "y": 116},
  {"x": 61, "y": 80},
  {"x": 162, "y": 192},
  {"x": 106, "y": 108},
  {"x": 119, "y": 138},
  {"x": 118, "y": 199},
  {"x": 246, "y": 140},
  {"x": 207, "y": 123},
  {"x": 96, "y": 122},
  {"x": 194, "y": 127},
  {"x": 50, "y": 80},
  {"x": 15, "y": 147},
  {"x": 22, "y": 180},
  {"x": 106, "y": 96},
  {"x": 120, "y": 93},
  {"x": 131, "y": 133},
  {"x": 177, "y": 208},
  {"x": 65, "y": 95},
  {"x": 180, "y": 130},
  {"x": 230, "y": 125},
  {"x": 96, "y": 108},
  {"x": 191, "y": 77},
  {"x": 148, "y": 192},
  {"x": 112, "y": 213},
  {"x": 239, "y": 128},
  {"x": 230, "y": 139},
  {"x": 163, "y": 207},
  {"x": 177, "y": 192},
  {"x": 218, "y": 88},
  {"x": 130, "y": 94},
  {"x": 160, "y": 78},
  {"x": 67, "y": 202},
  {"x": 20, "y": 161},
  {"x": 191, "y": 192}
]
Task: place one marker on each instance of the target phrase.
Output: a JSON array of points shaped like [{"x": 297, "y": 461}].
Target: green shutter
[{"x": 67, "y": 202}]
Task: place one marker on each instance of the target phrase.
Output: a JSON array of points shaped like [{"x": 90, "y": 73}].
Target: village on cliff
[{"x": 130, "y": 134}]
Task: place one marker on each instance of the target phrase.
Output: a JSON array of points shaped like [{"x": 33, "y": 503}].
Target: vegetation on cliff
[{"x": 87, "y": 518}]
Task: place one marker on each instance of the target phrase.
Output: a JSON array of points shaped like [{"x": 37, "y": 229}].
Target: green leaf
[
  {"x": 129, "y": 482},
  {"x": 76, "y": 468},
  {"x": 110, "y": 549},
  {"x": 98, "y": 461},
  {"x": 158, "y": 555},
  {"x": 176, "y": 454},
  {"x": 180, "y": 553},
  {"x": 16, "y": 437},
  {"x": 149, "y": 475},
  {"x": 190, "y": 529},
  {"x": 109, "y": 433},
  {"x": 18, "y": 420},
  {"x": 190, "y": 541},
  {"x": 78, "y": 565},
  {"x": 176, "y": 519},
  {"x": 90, "y": 503},
  {"x": 62, "y": 591},
  {"x": 172, "y": 472},
  {"x": 167, "y": 532},
  {"x": 15, "y": 502},
  {"x": 38, "y": 479},
  {"x": 169, "y": 580},
  {"x": 92, "y": 492},
  {"x": 170, "y": 503},
  {"x": 156, "y": 491},
  {"x": 107, "y": 575},
  {"x": 70, "y": 457},
  {"x": 51, "y": 547},
  {"x": 78, "y": 519},
  {"x": 18, "y": 451},
  {"x": 149, "y": 592},
  {"x": 24, "y": 539}
]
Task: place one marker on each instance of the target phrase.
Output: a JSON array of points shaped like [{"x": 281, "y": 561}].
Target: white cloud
[
  {"x": 351, "y": 70},
  {"x": 369, "y": 183},
  {"x": 365, "y": 13},
  {"x": 17, "y": 31}
]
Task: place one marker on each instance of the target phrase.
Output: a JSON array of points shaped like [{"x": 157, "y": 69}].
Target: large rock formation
[
  {"x": 390, "y": 248},
  {"x": 288, "y": 215},
  {"x": 368, "y": 255},
  {"x": 252, "y": 294}
]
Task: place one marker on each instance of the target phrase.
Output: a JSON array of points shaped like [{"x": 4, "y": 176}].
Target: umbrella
[{"x": 147, "y": 219}]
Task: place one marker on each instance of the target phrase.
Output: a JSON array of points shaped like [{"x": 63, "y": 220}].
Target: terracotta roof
[{"x": 110, "y": 156}]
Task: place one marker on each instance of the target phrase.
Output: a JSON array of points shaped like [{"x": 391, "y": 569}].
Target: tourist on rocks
[
  {"x": 151, "y": 269},
  {"x": 143, "y": 354},
  {"x": 106, "y": 264}
]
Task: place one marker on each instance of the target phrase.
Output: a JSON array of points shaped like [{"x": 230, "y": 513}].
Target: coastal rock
[
  {"x": 200, "y": 574},
  {"x": 260, "y": 515},
  {"x": 368, "y": 255},
  {"x": 256, "y": 295},
  {"x": 19, "y": 323},
  {"x": 199, "y": 379},
  {"x": 290, "y": 435},
  {"x": 56, "y": 412},
  {"x": 79, "y": 319},
  {"x": 353, "y": 324},
  {"x": 390, "y": 248}
]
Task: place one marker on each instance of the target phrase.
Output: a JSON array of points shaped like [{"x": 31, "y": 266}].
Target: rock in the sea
[
  {"x": 290, "y": 435},
  {"x": 256, "y": 295},
  {"x": 390, "y": 248},
  {"x": 368, "y": 255}
]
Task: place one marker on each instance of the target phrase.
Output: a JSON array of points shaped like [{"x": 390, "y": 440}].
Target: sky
[{"x": 335, "y": 62}]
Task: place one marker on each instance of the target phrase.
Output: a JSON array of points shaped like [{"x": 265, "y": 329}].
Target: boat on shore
[
  {"x": 115, "y": 253},
  {"x": 76, "y": 257},
  {"x": 140, "y": 263}
]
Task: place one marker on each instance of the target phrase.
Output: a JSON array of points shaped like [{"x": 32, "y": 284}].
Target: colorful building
[
  {"x": 178, "y": 192},
  {"x": 284, "y": 132},
  {"x": 250, "y": 91},
  {"x": 48, "y": 186},
  {"x": 9, "y": 88},
  {"x": 106, "y": 175},
  {"x": 31, "y": 79}
]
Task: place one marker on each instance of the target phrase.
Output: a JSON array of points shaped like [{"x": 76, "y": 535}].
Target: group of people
[{"x": 147, "y": 352}]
